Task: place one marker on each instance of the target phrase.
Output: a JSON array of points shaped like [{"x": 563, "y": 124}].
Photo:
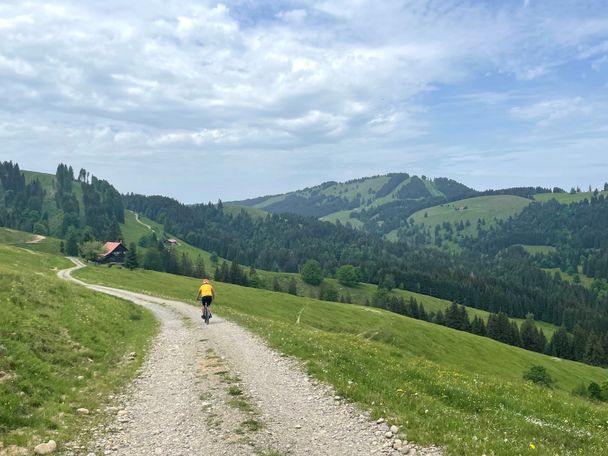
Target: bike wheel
[{"x": 206, "y": 315}]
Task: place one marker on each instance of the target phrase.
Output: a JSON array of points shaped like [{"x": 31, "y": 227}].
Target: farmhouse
[{"x": 113, "y": 252}]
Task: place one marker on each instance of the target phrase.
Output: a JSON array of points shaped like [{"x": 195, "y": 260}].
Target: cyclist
[{"x": 206, "y": 294}]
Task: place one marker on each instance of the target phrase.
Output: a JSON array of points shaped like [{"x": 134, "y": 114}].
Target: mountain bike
[{"x": 206, "y": 313}]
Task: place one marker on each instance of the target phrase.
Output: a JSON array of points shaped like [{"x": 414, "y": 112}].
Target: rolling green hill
[
  {"x": 443, "y": 386},
  {"x": 62, "y": 347},
  {"x": 464, "y": 216},
  {"x": 375, "y": 204}
]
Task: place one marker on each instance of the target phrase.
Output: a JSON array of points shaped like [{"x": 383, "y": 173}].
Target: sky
[{"x": 205, "y": 100}]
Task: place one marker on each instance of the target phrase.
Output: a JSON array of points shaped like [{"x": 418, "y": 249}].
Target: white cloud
[
  {"x": 199, "y": 79},
  {"x": 549, "y": 111}
]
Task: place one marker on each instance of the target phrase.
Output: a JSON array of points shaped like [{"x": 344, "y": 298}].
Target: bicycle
[{"x": 206, "y": 313}]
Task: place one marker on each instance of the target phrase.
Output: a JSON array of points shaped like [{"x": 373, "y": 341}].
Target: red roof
[
  {"x": 171, "y": 241},
  {"x": 109, "y": 247}
]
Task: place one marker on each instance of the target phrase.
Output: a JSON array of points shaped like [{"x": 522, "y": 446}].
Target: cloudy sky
[{"x": 205, "y": 100}]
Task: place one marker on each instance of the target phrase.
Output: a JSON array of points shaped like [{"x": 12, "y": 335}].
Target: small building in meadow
[{"x": 113, "y": 252}]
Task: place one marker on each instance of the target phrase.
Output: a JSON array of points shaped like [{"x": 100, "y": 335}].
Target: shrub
[
  {"x": 328, "y": 292},
  {"x": 90, "y": 250},
  {"x": 348, "y": 275},
  {"x": 605, "y": 391},
  {"x": 539, "y": 375},
  {"x": 311, "y": 272},
  {"x": 594, "y": 391}
]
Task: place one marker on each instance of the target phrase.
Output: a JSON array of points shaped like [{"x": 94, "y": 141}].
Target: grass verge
[
  {"x": 62, "y": 347},
  {"x": 442, "y": 386}
]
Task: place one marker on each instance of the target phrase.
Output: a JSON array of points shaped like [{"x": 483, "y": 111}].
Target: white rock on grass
[
  {"x": 394, "y": 429},
  {"x": 388, "y": 434},
  {"x": 45, "y": 448},
  {"x": 397, "y": 444},
  {"x": 82, "y": 411}
]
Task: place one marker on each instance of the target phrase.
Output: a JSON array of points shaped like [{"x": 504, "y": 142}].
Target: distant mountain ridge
[{"x": 375, "y": 202}]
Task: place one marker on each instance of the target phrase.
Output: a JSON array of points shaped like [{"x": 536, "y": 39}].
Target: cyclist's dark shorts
[{"x": 207, "y": 300}]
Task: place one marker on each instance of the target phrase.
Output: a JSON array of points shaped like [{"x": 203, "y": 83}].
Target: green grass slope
[
  {"x": 23, "y": 240},
  {"x": 443, "y": 386},
  {"x": 61, "y": 347},
  {"x": 254, "y": 212},
  {"x": 488, "y": 208},
  {"x": 133, "y": 231},
  {"x": 566, "y": 198}
]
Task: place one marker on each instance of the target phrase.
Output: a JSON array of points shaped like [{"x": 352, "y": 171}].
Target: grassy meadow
[
  {"x": 443, "y": 386},
  {"x": 22, "y": 240},
  {"x": 566, "y": 198},
  {"x": 62, "y": 347},
  {"x": 488, "y": 208}
]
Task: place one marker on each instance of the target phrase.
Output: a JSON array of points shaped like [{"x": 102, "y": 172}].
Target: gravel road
[{"x": 219, "y": 390}]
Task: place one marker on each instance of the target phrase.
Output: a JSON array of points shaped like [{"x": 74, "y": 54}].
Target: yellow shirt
[{"x": 206, "y": 289}]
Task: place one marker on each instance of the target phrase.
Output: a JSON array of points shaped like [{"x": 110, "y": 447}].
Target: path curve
[
  {"x": 192, "y": 382},
  {"x": 36, "y": 239},
  {"x": 140, "y": 222}
]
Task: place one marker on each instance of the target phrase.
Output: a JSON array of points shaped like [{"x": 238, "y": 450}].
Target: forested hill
[
  {"x": 378, "y": 204},
  {"x": 508, "y": 282},
  {"x": 363, "y": 202},
  {"x": 60, "y": 205},
  {"x": 575, "y": 235}
]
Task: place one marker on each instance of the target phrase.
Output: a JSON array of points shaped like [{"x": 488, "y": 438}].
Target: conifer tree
[
  {"x": 594, "y": 351},
  {"x": 185, "y": 267},
  {"x": 131, "y": 261},
  {"x": 292, "y": 288},
  {"x": 199, "y": 268},
  {"x": 71, "y": 246}
]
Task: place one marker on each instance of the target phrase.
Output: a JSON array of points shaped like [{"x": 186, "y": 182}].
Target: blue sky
[{"x": 206, "y": 100}]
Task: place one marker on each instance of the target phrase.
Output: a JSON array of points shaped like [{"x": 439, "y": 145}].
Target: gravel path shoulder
[{"x": 219, "y": 390}]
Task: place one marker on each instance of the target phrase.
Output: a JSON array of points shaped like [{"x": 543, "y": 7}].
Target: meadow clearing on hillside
[
  {"x": 444, "y": 386},
  {"x": 469, "y": 211}
]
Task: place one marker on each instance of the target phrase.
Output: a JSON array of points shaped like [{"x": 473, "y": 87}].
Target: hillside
[
  {"x": 568, "y": 198},
  {"x": 61, "y": 348},
  {"x": 361, "y": 294},
  {"x": 463, "y": 218},
  {"x": 443, "y": 386},
  {"x": 59, "y": 205},
  {"x": 29, "y": 241},
  {"x": 376, "y": 204}
]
